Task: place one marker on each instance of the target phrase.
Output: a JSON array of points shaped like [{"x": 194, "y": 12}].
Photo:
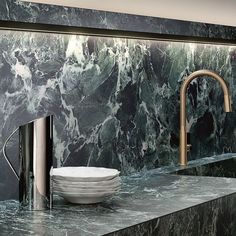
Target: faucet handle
[{"x": 189, "y": 147}]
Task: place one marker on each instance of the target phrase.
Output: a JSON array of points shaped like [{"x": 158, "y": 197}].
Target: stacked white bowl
[{"x": 85, "y": 185}]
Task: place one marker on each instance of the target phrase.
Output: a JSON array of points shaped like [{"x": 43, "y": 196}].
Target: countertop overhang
[{"x": 15, "y": 14}]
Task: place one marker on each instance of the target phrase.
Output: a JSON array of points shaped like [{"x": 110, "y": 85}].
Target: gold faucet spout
[
  {"x": 228, "y": 106},
  {"x": 183, "y": 90}
]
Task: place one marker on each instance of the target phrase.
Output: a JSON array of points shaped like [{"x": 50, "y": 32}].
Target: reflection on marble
[
  {"x": 143, "y": 198},
  {"x": 221, "y": 168},
  {"x": 198, "y": 164},
  {"x": 115, "y": 101}
]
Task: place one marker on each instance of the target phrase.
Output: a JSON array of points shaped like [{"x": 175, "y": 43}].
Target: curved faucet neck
[{"x": 183, "y": 90}]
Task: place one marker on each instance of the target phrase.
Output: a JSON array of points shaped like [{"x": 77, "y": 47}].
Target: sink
[{"x": 218, "y": 168}]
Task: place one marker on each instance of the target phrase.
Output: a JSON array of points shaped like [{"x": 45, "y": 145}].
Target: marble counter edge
[
  {"x": 187, "y": 208},
  {"x": 155, "y": 224}
]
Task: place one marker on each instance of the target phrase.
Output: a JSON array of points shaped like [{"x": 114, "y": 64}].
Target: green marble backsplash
[{"x": 115, "y": 101}]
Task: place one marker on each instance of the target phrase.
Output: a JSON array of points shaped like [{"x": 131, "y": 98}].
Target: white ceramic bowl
[
  {"x": 85, "y": 198},
  {"x": 85, "y": 190},
  {"x": 84, "y": 174},
  {"x": 85, "y": 185},
  {"x": 106, "y": 183},
  {"x": 101, "y": 188}
]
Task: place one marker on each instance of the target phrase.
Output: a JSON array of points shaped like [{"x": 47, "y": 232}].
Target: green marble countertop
[{"x": 143, "y": 197}]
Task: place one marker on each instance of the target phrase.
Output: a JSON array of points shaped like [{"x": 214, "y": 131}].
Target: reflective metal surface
[
  {"x": 35, "y": 150},
  {"x": 35, "y": 140}
]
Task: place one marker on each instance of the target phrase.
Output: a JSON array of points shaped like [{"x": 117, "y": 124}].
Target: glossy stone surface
[
  {"x": 143, "y": 198},
  {"x": 219, "y": 168},
  {"x": 214, "y": 218},
  {"x": 15, "y": 10},
  {"x": 202, "y": 164},
  {"x": 115, "y": 101}
]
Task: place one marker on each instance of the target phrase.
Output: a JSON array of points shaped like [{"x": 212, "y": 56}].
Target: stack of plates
[{"x": 85, "y": 185}]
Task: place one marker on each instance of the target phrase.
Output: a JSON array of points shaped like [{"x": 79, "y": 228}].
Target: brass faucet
[{"x": 184, "y": 147}]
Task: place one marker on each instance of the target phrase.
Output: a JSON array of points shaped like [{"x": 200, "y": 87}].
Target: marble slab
[
  {"x": 220, "y": 168},
  {"x": 142, "y": 199},
  {"x": 115, "y": 101},
  {"x": 18, "y": 11},
  {"x": 200, "y": 164},
  {"x": 212, "y": 218}
]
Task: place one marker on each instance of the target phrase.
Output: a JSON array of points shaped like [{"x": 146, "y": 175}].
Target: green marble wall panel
[{"x": 115, "y": 100}]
